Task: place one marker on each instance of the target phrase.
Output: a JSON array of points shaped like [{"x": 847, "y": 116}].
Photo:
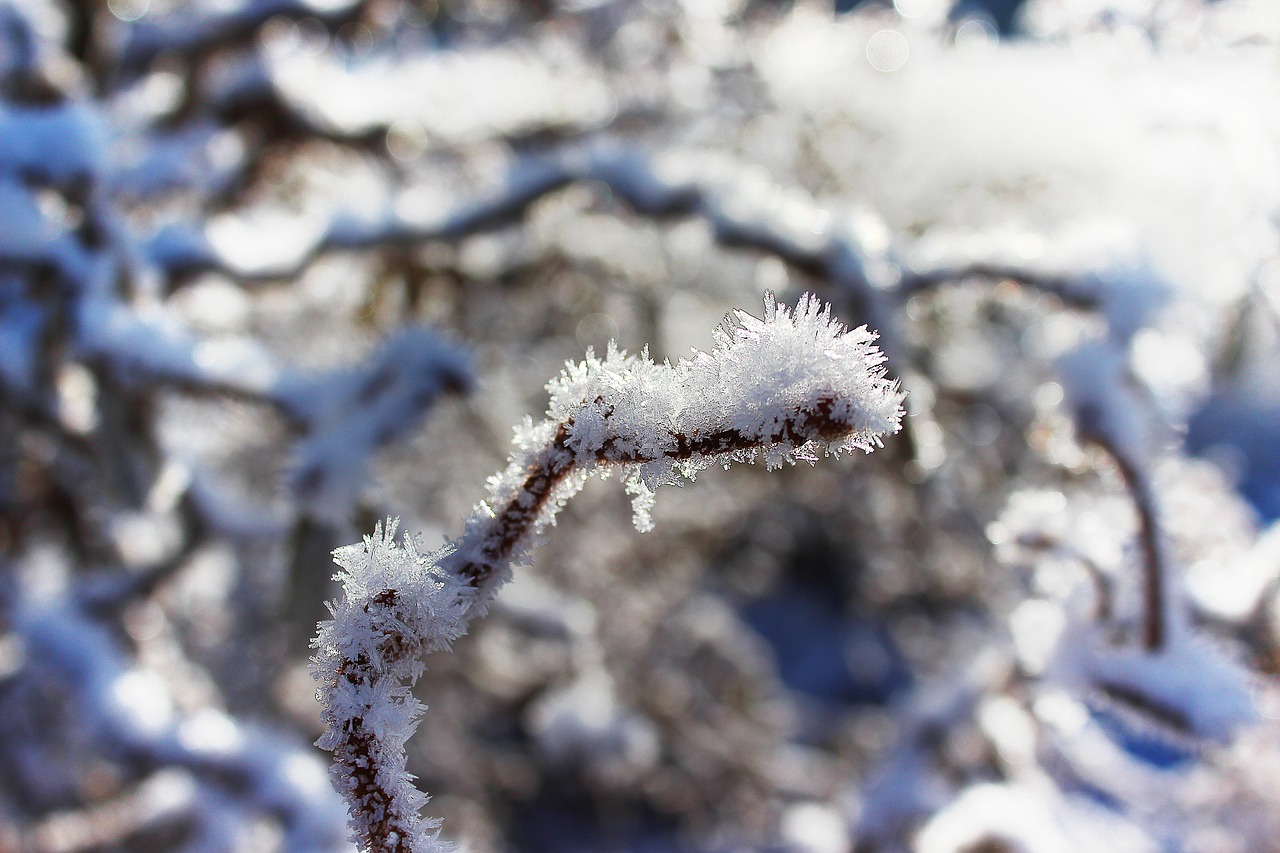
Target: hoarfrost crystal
[{"x": 790, "y": 386}]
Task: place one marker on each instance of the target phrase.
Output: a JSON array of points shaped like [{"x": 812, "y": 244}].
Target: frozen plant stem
[
  {"x": 546, "y": 473},
  {"x": 784, "y": 388}
]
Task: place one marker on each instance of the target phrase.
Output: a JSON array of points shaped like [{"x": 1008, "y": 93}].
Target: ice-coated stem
[{"x": 783, "y": 388}]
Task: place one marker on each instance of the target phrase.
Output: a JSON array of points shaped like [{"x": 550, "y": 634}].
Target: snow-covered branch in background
[
  {"x": 225, "y": 220},
  {"x": 194, "y": 29},
  {"x": 221, "y": 773},
  {"x": 349, "y": 413},
  {"x": 743, "y": 207},
  {"x": 784, "y": 388}
]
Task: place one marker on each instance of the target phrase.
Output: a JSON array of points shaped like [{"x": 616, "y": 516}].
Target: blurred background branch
[{"x": 273, "y": 269}]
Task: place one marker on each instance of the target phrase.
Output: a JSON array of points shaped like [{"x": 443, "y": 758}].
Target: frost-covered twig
[{"x": 783, "y": 388}]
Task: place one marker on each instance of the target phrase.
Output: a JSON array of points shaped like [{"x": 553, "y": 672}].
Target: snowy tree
[{"x": 273, "y": 271}]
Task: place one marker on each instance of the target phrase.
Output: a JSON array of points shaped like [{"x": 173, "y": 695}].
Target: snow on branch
[
  {"x": 190, "y": 29},
  {"x": 743, "y": 206},
  {"x": 784, "y": 388},
  {"x": 131, "y": 715},
  {"x": 1109, "y": 414},
  {"x": 347, "y": 414}
]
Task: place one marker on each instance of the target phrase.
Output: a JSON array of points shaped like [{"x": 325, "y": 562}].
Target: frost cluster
[
  {"x": 783, "y": 388},
  {"x": 399, "y": 605}
]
